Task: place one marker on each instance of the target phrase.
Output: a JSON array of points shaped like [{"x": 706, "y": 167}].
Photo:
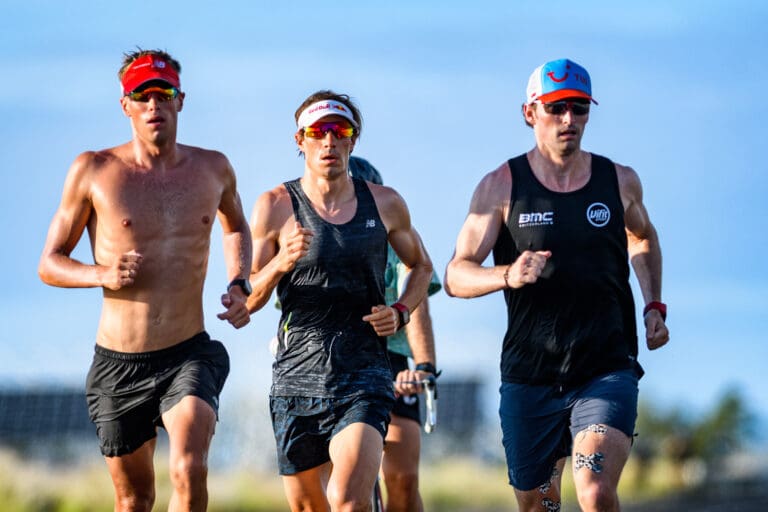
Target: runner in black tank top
[
  {"x": 321, "y": 241},
  {"x": 563, "y": 225},
  {"x": 578, "y": 319},
  {"x": 326, "y": 349}
]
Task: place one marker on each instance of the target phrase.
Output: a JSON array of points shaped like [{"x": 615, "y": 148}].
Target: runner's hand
[
  {"x": 407, "y": 382},
  {"x": 123, "y": 272},
  {"x": 237, "y": 312},
  {"x": 294, "y": 246},
  {"x": 383, "y": 319},
  {"x": 656, "y": 332},
  {"x": 527, "y": 268}
]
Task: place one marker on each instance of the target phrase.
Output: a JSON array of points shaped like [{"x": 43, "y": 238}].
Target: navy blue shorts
[
  {"x": 406, "y": 406},
  {"x": 304, "y": 426},
  {"x": 539, "y": 423},
  {"x": 128, "y": 392}
]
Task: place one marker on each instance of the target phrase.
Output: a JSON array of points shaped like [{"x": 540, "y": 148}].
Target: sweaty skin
[{"x": 147, "y": 206}]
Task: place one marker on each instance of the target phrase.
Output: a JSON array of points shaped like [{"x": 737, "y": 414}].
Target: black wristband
[{"x": 427, "y": 367}]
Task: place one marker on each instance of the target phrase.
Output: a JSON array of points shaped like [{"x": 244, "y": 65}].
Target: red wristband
[{"x": 658, "y": 306}]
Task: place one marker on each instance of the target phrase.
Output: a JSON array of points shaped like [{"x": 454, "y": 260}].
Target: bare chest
[{"x": 145, "y": 203}]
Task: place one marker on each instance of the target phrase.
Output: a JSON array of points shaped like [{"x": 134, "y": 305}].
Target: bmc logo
[
  {"x": 536, "y": 219},
  {"x": 598, "y": 214}
]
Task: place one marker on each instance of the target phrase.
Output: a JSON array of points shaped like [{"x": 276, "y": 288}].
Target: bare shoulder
[
  {"x": 498, "y": 178},
  {"x": 386, "y": 197},
  {"x": 629, "y": 183},
  {"x": 494, "y": 189},
  {"x": 211, "y": 159},
  {"x": 90, "y": 161},
  {"x": 391, "y": 206},
  {"x": 89, "y": 165},
  {"x": 272, "y": 210}
]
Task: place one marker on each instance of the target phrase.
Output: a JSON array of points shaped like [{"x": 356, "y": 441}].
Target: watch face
[
  {"x": 244, "y": 285},
  {"x": 403, "y": 314}
]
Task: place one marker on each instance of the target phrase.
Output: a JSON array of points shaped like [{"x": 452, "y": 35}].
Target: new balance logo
[
  {"x": 370, "y": 223},
  {"x": 536, "y": 219}
]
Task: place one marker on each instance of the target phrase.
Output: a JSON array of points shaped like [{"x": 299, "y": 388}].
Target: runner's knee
[
  {"x": 596, "y": 495},
  {"x": 341, "y": 502},
  {"x": 188, "y": 471},
  {"x": 137, "y": 502},
  {"x": 404, "y": 483}
]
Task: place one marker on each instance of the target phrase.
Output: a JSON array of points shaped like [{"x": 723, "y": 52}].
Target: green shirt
[{"x": 394, "y": 280}]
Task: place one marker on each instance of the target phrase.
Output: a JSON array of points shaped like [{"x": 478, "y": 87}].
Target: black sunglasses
[{"x": 558, "y": 108}]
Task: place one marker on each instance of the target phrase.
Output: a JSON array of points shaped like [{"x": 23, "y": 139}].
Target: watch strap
[
  {"x": 428, "y": 368},
  {"x": 242, "y": 283},
  {"x": 658, "y": 306}
]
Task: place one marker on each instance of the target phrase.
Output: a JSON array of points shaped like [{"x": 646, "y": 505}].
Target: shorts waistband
[{"x": 178, "y": 348}]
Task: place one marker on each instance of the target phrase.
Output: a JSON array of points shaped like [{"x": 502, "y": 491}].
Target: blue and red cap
[
  {"x": 146, "y": 68},
  {"x": 557, "y": 80}
]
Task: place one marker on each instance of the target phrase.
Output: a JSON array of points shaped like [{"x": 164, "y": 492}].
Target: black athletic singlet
[
  {"x": 577, "y": 321},
  {"x": 325, "y": 349}
]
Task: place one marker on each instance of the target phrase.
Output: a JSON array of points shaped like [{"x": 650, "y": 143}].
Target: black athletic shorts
[
  {"x": 128, "y": 392},
  {"x": 304, "y": 426},
  {"x": 406, "y": 406}
]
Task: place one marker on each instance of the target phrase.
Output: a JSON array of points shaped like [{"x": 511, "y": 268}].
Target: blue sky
[{"x": 680, "y": 87}]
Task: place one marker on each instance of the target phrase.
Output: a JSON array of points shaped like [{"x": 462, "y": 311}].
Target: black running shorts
[{"x": 127, "y": 393}]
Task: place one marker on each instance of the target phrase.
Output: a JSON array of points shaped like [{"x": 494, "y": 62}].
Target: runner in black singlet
[
  {"x": 321, "y": 240},
  {"x": 562, "y": 224}
]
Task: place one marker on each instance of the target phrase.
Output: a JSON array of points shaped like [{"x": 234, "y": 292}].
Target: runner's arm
[
  {"x": 644, "y": 252},
  {"x": 57, "y": 267},
  {"x": 237, "y": 247},
  {"x": 465, "y": 275},
  {"x": 279, "y": 241},
  {"x": 237, "y": 236}
]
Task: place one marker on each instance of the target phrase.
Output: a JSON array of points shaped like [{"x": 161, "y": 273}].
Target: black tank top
[
  {"x": 578, "y": 320},
  {"x": 326, "y": 349}
]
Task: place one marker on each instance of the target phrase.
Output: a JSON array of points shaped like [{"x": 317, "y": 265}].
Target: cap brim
[{"x": 563, "y": 94}]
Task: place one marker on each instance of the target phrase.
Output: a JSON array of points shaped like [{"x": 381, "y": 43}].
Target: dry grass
[{"x": 458, "y": 484}]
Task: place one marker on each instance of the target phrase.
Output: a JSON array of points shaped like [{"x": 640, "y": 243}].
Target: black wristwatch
[
  {"x": 427, "y": 367},
  {"x": 244, "y": 285},
  {"x": 403, "y": 314}
]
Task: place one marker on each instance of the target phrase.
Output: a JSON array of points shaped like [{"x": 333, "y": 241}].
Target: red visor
[{"x": 148, "y": 67}]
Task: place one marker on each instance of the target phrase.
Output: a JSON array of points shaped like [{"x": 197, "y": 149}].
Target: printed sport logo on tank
[
  {"x": 531, "y": 219},
  {"x": 598, "y": 214},
  {"x": 370, "y": 223}
]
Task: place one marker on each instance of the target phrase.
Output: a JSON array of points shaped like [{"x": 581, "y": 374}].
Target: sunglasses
[
  {"x": 163, "y": 94},
  {"x": 559, "y": 108},
  {"x": 340, "y": 129}
]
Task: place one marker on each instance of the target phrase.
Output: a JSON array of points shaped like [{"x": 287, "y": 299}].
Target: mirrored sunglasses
[
  {"x": 340, "y": 130},
  {"x": 163, "y": 94}
]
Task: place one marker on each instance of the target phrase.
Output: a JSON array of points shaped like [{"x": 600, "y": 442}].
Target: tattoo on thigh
[
  {"x": 595, "y": 428},
  {"x": 544, "y": 488},
  {"x": 589, "y": 461},
  {"x": 550, "y": 506}
]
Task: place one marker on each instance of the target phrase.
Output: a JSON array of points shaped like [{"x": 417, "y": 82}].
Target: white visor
[{"x": 324, "y": 108}]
